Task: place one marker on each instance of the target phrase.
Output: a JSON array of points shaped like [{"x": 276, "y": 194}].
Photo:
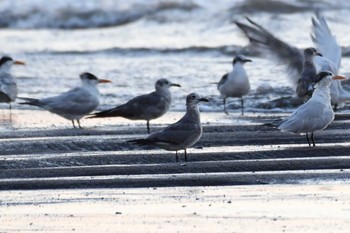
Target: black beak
[
  {"x": 175, "y": 85},
  {"x": 203, "y": 100},
  {"x": 319, "y": 54},
  {"x": 248, "y": 60}
]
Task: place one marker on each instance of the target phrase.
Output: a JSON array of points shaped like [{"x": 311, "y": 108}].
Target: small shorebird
[
  {"x": 8, "y": 83},
  {"x": 182, "y": 134},
  {"x": 236, "y": 83},
  {"x": 75, "y": 103},
  {"x": 144, "y": 107},
  {"x": 316, "y": 113}
]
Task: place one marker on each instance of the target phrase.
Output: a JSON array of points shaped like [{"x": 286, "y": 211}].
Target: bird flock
[{"x": 313, "y": 72}]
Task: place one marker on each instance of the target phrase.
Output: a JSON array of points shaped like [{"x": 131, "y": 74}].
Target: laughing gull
[
  {"x": 307, "y": 80},
  {"x": 145, "y": 107},
  {"x": 75, "y": 103},
  {"x": 182, "y": 134},
  {"x": 324, "y": 42},
  {"x": 8, "y": 83},
  {"x": 236, "y": 83},
  {"x": 316, "y": 113}
]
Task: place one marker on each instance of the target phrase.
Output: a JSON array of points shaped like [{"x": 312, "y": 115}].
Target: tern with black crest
[
  {"x": 316, "y": 113},
  {"x": 75, "y": 103},
  {"x": 236, "y": 83},
  {"x": 8, "y": 83}
]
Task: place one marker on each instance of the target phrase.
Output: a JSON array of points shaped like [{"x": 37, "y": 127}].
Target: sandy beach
[{"x": 242, "y": 176}]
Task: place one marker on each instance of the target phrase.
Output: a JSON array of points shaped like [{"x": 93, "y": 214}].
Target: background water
[{"x": 136, "y": 42}]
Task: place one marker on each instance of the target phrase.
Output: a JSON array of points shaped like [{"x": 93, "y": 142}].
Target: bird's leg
[
  {"x": 185, "y": 155},
  {"x": 312, "y": 139},
  {"x": 225, "y": 110},
  {"x": 242, "y": 105},
  {"x": 148, "y": 129},
  {"x": 73, "y": 124},
  {"x": 307, "y": 138},
  {"x": 10, "y": 106},
  {"x": 177, "y": 157},
  {"x": 79, "y": 124}
]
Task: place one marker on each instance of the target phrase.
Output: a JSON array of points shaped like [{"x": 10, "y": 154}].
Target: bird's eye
[
  {"x": 193, "y": 96},
  {"x": 166, "y": 82}
]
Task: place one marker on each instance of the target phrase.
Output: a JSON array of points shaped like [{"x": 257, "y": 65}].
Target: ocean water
[{"x": 135, "y": 42}]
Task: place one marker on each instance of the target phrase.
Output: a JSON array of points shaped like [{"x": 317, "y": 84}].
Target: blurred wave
[{"x": 67, "y": 14}]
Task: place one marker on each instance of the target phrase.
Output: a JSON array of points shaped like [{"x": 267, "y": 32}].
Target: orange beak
[
  {"x": 339, "y": 77},
  {"x": 104, "y": 81},
  {"x": 19, "y": 63}
]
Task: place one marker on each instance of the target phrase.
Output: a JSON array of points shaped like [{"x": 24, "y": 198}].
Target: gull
[
  {"x": 8, "y": 83},
  {"x": 144, "y": 107},
  {"x": 324, "y": 42},
  {"x": 182, "y": 134},
  {"x": 316, "y": 113},
  {"x": 75, "y": 103},
  {"x": 307, "y": 80},
  {"x": 236, "y": 83}
]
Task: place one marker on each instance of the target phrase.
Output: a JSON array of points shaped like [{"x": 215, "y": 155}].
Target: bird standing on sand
[
  {"x": 75, "y": 103},
  {"x": 8, "y": 83},
  {"x": 308, "y": 77},
  {"x": 144, "y": 107},
  {"x": 316, "y": 113},
  {"x": 236, "y": 83},
  {"x": 182, "y": 134}
]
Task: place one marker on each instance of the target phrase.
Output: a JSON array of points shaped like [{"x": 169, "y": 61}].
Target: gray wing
[
  {"x": 222, "y": 80},
  {"x": 308, "y": 117},
  {"x": 8, "y": 87},
  {"x": 325, "y": 42},
  {"x": 75, "y": 101},
  {"x": 268, "y": 44},
  {"x": 144, "y": 106},
  {"x": 177, "y": 133}
]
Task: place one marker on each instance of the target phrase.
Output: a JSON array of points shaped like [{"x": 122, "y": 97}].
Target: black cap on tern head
[
  {"x": 88, "y": 75},
  {"x": 5, "y": 59},
  {"x": 322, "y": 75}
]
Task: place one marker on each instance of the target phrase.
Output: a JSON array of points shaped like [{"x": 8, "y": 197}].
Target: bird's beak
[
  {"x": 19, "y": 63},
  {"x": 104, "y": 81},
  {"x": 339, "y": 77},
  {"x": 319, "y": 54},
  {"x": 248, "y": 60},
  {"x": 203, "y": 100},
  {"x": 175, "y": 85}
]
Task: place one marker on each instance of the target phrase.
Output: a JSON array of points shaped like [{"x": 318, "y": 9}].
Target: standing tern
[
  {"x": 8, "y": 83},
  {"x": 316, "y": 113},
  {"x": 144, "y": 107},
  {"x": 236, "y": 83},
  {"x": 182, "y": 134},
  {"x": 75, "y": 103},
  {"x": 324, "y": 42}
]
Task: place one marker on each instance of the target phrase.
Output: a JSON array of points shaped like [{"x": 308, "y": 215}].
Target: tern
[
  {"x": 182, "y": 134},
  {"x": 236, "y": 83},
  {"x": 324, "y": 42},
  {"x": 316, "y": 113},
  {"x": 144, "y": 107},
  {"x": 75, "y": 103},
  {"x": 8, "y": 83}
]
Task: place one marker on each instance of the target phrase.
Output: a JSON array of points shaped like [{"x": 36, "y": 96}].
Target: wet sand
[{"x": 55, "y": 178}]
